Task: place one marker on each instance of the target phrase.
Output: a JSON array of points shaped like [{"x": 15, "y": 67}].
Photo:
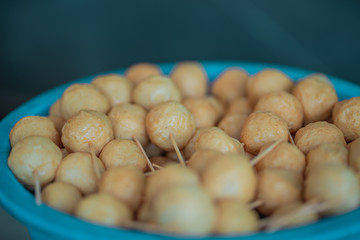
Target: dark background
[{"x": 46, "y": 43}]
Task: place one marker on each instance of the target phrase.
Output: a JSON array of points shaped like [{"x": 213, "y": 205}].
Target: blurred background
[{"x": 47, "y": 43}]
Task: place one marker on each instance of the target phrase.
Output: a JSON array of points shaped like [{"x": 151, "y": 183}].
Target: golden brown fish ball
[
  {"x": 115, "y": 87},
  {"x": 262, "y": 128},
  {"x": 34, "y": 125},
  {"x": 34, "y": 153},
  {"x": 230, "y": 176},
  {"x": 61, "y": 196},
  {"x": 155, "y": 90},
  {"x": 78, "y": 170},
  {"x": 266, "y": 81},
  {"x": 104, "y": 209},
  {"x": 55, "y": 109},
  {"x": 324, "y": 153},
  {"x": 201, "y": 159},
  {"x": 120, "y": 152},
  {"x": 354, "y": 155},
  {"x": 82, "y": 97},
  {"x": 170, "y": 176},
  {"x": 87, "y": 128},
  {"x": 128, "y": 120},
  {"x": 152, "y": 150},
  {"x": 230, "y": 84},
  {"x": 185, "y": 209},
  {"x": 347, "y": 118},
  {"x": 240, "y": 106},
  {"x": 190, "y": 78},
  {"x": 170, "y": 118},
  {"x": 277, "y": 187},
  {"x": 125, "y": 182},
  {"x": 139, "y": 71},
  {"x": 336, "y": 184},
  {"x": 235, "y": 217},
  {"x": 315, "y": 134},
  {"x": 144, "y": 213},
  {"x": 218, "y": 105},
  {"x": 284, "y": 155},
  {"x": 203, "y": 110},
  {"x": 285, "y": 105},
  {"x": 58, "y": 123},
  {"x": 317, "y": 97},
  {"x": 232, "y": 124}
]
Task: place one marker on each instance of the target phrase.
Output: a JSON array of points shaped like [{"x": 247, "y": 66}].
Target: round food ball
[
  {"x": 234, "y": 217},
  {"x": 266, "y": 81},
  {"x": 170, "y": 118},
  {"x": 125, "y": 182},
  {"x": 262, "y": 128},
  {"x": 55, "y": 109},
  {"x": 219, "y": 106},
  {"x": 82, "y": 97},
  {"x": 336, "y": 184},
  {"x": 315, "y": 134},
  {"x": 140, "y": 71},
  {"x": 128, "y": 120},
  {"x": 354, "y": 155},
  {"x": 115, "y": 87},
  {"x": 277, "y": 187},
  {"x": 185, "y": 209},
  {"x": 34, "y": 153},
  {"x": 240, "y": 105},
  {"x": 230, "y": 176},
  {"x": 78, "y": 170},
  {"x": 152, "y": 150},
  {"x": 155, "y": 90},
  {"x": 347, "y": 118},
  {"x": 61, "y": 196},
  {"x": 87, "y": 128},
  {"x": 205, "y": 113},
  {"x": 190, "y": 78},
  {"x": 122, "y": 153},
  {"x": 232, "y": 124},
  {"x": 58, "y": 123},
  {"x": 317, "y": 97},
  {"x": 230, "y": 84},
  {"x": 201, "y": 159},
  {"x": 285, "y": 105},
  {"x": 34, "y": 125},
  {"x": 104, "y": 209}
]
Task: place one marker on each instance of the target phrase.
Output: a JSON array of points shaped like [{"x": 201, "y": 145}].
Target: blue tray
[{"x": 45, "y": 223}]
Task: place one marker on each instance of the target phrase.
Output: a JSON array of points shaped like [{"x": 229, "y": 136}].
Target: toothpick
[
  {"x": 38, "y": 198},
  {"x": 261, "y": 155},
  {"x": 178, "y": 153},
  {"x": 94, "y": 163},
  {"x": 255, "y": 204},
  {"x": 157, "y": 166},
  {"x": 144, "y": 153},
  {"x": 291, "y": 138}
]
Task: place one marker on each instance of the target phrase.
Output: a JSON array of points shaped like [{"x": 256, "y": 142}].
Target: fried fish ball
[
  {"x": 122, "y": 152},
  {"x": 285, "y": 105},
  {"x": 61, "y": 196},
  {"x": 284, "y": 155},
  {"x": 170, "y": 118},
  {"x": 218, "y": 105},
  {"x": 347, "y": 118},
  {"x": 34, "y": 125},
  {"x": 334, "y": 183},
  {"x": 185, "y": 209},
  {"x": 230, "y": 84},
  {"x": 235, "y": 217},
  {"x": 82, "y": 97},
  {"x": 115, "y": 87},
  {"x": 58, "y": 123},
  {"x": 139, "y": 71},
  {"x": 230, "y": 176},
  {"x": 125, "y": 182},
  {"x": 266, "y": 81},
  {"x": 324, "y": 153},
  {"x": 152, "y": 150},
  {"x": 315, "y": 134},
  {"x": 232, "y": 124},
  {"x": 240, "y": 105},
  {"x": 190, "y": 78},
  {"x": 55, "y": 109},
  {"x": 201, "y": 159},
  {"x": 277, "y": 187},
  {"x": 87, "y": 128},
  {"x": 354, "y": 155},
  {"x": 78, "y": 170},
  {"x": 317, "y": 96},
  {"x": 103, "y": 208},
  {"x": 203, "y": 110},
  {"x": 128, "y": 120},
  {"x": 261, "y": 128},
  {"x": 34, "y": 153},
  {"x": 155, "y": 90}
]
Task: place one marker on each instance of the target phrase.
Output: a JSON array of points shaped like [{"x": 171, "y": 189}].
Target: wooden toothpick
[
  {"x": 261, "y": 155},
  {"x": 178, "y": 153},
  {"x": 144, "y": 153}
]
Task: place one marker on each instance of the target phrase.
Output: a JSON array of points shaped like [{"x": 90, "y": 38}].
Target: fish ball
[
  {"x": 152, "y": 150},
  {"x": 232, "y": 124},
  {"x": 55, "y": 109},
  {"x": 203, "y": 110},
  {"x": 201, "y": 159},
  {"x": 240, "y": 106},
  {"x": 140, "y": 71},
  {"x": 354, "y": 155}
]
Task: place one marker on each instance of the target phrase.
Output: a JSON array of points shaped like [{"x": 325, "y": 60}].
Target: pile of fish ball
[{"x": 172, "y": 154}]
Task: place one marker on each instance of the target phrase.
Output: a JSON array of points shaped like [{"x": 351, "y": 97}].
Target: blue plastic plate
[{"x": 45, "y": 223}]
